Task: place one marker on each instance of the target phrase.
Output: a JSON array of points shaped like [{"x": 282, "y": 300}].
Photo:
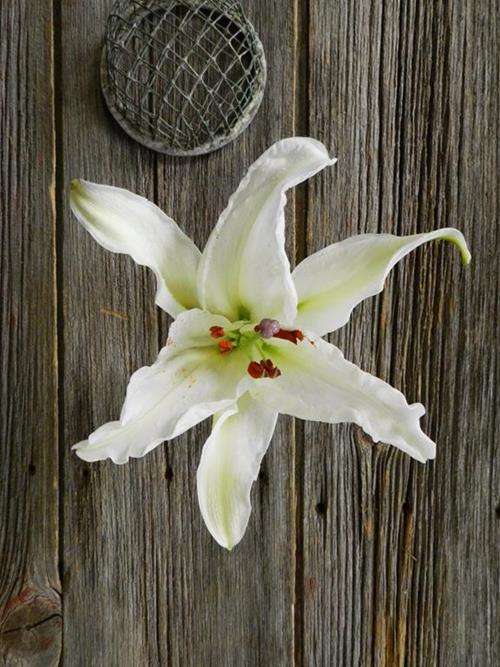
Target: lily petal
[
  {"x": 123, "y": 222},
  {"x": 229, "y": 465},
  {"x": 334, "y": 280},
  {"x": 184, "y": 386},
  {"x": 317, "y": 383},
  {"x": 244, "y": 272},
  {"x": 192, "y": 329}
]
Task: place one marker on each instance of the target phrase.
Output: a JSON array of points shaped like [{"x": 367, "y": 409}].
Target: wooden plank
[
  {"x": 231, "y": 608},
  {"x": 400, "y": 560},
  {"x": 109, "y": 330},
  {"x": 30, "y": 605}
]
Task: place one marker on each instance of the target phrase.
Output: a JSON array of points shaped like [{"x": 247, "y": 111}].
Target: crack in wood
[{"x": 32, "y": 625}]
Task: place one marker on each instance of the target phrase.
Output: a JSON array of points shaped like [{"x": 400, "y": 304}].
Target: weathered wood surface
[
  {"x": 400, "y": 560},
  {"x": 354, "y": 554},
  {"x": 30, "y": 603}
]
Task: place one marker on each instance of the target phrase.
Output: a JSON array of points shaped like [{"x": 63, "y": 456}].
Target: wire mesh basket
[{"x": 182, "y": 77}]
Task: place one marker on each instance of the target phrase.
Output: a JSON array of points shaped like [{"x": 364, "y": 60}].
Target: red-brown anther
[
  {"x": 225, "y": 346},
  {"x": 263, "y": 368},
  {"x": 293, "y": 336},
  {"x": 270, "y": 370},
  {"x": 216, "y": 332},
  {"x": 255, "y": 370},
  {"x": 267, "y": 365}
]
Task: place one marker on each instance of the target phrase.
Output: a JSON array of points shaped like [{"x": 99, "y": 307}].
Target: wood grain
[
  {"x": 109, "y": 605},
  {"x": 401, "y": 560},
  {"x": 354, "y": 554},
  {"x": 30, "y": 604}
]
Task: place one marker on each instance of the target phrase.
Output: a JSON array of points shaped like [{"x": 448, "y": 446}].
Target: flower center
[{"x": 242, "y": 335}]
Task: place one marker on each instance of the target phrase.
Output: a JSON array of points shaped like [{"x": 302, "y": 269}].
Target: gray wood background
[{"x": 355, "y": 555}]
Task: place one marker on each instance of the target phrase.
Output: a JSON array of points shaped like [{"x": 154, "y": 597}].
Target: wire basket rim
[{"x": 213, "y": 143}]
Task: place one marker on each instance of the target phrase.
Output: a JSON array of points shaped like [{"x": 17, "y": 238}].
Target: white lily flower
[{"x": 245, "y": 344}]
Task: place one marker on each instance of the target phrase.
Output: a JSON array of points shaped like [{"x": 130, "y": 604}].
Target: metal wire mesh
[{"x": 183, "y": 77}]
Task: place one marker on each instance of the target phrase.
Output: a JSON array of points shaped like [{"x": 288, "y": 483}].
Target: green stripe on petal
[
  {"x": 229, "y": 465},
  {"x": 334, "y": 280},
  {"x": 123, "y": 222},
  {"x": 244, "y": 271}
]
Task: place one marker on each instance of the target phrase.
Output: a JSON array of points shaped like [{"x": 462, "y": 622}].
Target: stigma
[{"x": 268, "y": 328}]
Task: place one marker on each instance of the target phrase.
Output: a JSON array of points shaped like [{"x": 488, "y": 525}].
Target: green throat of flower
[{"x": 245, "y": 336}]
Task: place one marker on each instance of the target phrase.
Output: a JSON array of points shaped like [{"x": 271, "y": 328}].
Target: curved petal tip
[{"x": 456, "y": 237}]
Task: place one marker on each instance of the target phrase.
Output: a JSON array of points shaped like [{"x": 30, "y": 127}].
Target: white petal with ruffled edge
[
  {"x": 317, "y": 383},
  {"x": 244, "y": 272},
  {"x": 123, "y": 222},
  {"x": 229, "y": 465},
  {"x": 184, "y": 386},
  {"x": 334, "y": 280}
]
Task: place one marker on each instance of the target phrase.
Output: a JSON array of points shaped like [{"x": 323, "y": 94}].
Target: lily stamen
[
  {"x": 255, "y": 370},
  {"x": 225, "y": 346},
  {"x": 216, "y": 332},
  {"x": 270, "y": 370},
  {"x": 263, "y": 368},
  {"x": 293, "y": 335}
]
